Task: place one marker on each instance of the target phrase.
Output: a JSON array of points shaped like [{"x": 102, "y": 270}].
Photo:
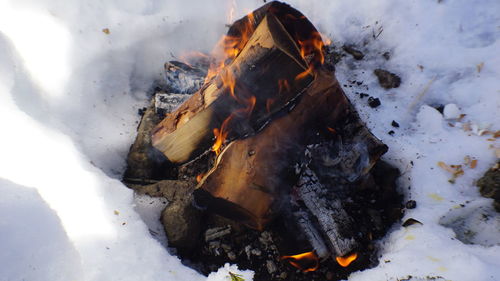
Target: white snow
[
  {"x": 69, "y": 94},
  {"x": 451, "y": 111}
]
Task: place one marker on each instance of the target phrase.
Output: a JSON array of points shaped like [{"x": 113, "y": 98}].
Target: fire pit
[{"x": 266, "y": 164}]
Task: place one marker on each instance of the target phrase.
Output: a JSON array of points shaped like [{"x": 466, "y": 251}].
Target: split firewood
[
  {"x": 234, "y": 98},
  {"x": 251, "y": 175}
]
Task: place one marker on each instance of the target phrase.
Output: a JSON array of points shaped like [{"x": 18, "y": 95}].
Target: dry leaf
[
  {"x": 445, "y": 167},
  {"x": 106, "y": 30},
  {"x": 473, "y": 164}
]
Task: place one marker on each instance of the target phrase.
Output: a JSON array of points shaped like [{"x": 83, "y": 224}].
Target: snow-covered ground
[{"x": 74, "y": 73}]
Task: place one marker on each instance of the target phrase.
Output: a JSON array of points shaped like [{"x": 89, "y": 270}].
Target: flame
[
  {"x": 346, "y": 261},
  {"x": 326, "y": 40},
  {"x": 229, "y": 81},
  {"x": 292, "y": 17},
  {"x": 222, "y": 133},
  {"x": 230, "y": 46},
  {"x": 312, "y": 46},
  {"x": 199, "y": 177},
  {"x": 311, "y": 50},
  {"x": 306, "y": 261}
]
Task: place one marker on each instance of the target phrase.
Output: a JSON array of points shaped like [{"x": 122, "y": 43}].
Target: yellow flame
[
  {"x": 308, "y": 257},
  {"x": 346, "y": 261}
]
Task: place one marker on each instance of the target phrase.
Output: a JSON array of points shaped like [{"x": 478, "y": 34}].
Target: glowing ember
[
  {"x": 221, "y": 135},
  {"x": 306, "y": 261},
  {"x": 346, "y": 261},
  {"x": 331, "y": 130},
  {"x": 199, "y": 177}
]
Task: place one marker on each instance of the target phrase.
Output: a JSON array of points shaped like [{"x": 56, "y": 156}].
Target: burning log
[
  {"x": 232, "y": 102},
  {"x": 251, "y": 174}
]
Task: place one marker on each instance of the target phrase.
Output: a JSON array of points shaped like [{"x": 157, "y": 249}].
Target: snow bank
[{"x": 69, "y": 93}]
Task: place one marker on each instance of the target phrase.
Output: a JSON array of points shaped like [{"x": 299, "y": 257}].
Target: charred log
[{"x": 336, "y": 224}]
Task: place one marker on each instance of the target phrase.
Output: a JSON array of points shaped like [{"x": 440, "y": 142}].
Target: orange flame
[
  {"x": 231, "y": 11},
  {"x": 306, "y": 261},
  {"x": 229, "y": 81},
  {"x": 230, "y": 45},
  {"x": 311, "y": 50},
  {"x": 221, "y": 135},
  {"x": 199, "y": 177},
  {"x": 304, "y": 74},
  {"x": 346, "y": 261},
  {"x": 312, "y": 46}
]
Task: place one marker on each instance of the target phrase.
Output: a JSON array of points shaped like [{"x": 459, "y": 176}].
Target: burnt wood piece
[
  {"x": 248, "y": 91},
  {"x": 251, "y": 176},
  {"x": 349, "y": 151},
  {"x": 336, "y": 224},
  {"x": 181, "y": 78},
  {"x": 312, "y": 234},
  {"x": 270, "y": 36}
]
